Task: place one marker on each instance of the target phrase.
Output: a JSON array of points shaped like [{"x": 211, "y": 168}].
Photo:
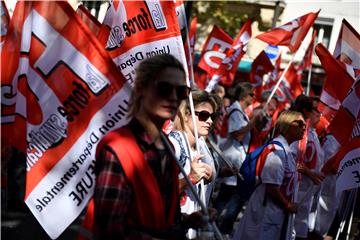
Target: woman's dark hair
[
  {"x": 146, "y": 73},
  {"x": 302, "y": 103},
  {"x": 240, "y": 91}
]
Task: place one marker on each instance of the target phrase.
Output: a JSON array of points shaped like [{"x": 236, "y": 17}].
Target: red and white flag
[
  {"x": 214, "y": 50},
  {"x": 260, "y": 66},
  {"x": 188, "y": 35},
  {"x": 336, "y": 85},
  {"x": 346, "y": 165},
  {"x": 292, "y": 82},
  {"x": 347, "y": 49},
  {"x": 229, "y": 65},
  {"x": 99, "y": 30},
  {"x": 290, "y": 34},
  {"x": 307, "y": 59},
  {"x": 5, "y": 21},
  {"x": 61, "y": 93},
  {"x": 142, "y": 29},
  {"x": 343, "y": 124}
]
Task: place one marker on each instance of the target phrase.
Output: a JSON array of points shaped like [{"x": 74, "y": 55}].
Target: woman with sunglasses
[
  {"x": 183, "y": 139},
  {"x": 266, "y": 214},
  {"x": 309, "y": 165},
  {"x": 136, "y": 193}
]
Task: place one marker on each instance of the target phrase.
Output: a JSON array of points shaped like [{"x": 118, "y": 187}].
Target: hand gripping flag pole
[{"x": 192, "y": 188}]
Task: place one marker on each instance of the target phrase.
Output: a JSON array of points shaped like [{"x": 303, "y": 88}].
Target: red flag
[
  {"x": 260, "y": 66},
  {"x": 345, "y": 164},
  {"x": 60, "y": 93},
  {"x": 292, "y": 83},
  {"x": 307, "y": 59},
  {"x": 214, "y": 50},
  {"x": 141, "y": 29},
  {"x": 187, "y": 35},
  {"x": 229, "y": 64},
  {"x": 5, "y": 20},
  {"x": 290, "y": 34},
  {"x": 343, "y": 124},
  {"x": 99, "y": 30},
  {"x": 347, "y": 48},
  {"x": 336, "y": 85}
]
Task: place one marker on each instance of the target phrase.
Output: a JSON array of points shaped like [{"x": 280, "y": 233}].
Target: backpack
[
  {"x": 224, "y": 127},
  {"x": 251, "y": 168}
]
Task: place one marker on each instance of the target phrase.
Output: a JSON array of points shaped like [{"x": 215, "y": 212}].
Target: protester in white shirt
[
  {"x": 309, "y": 164},
  {"x": 267, "y": 213},
  {"x": 235, "y": 149}
]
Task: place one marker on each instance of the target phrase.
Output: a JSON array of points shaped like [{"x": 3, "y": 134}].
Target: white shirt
[{"x": 234, "y": 150}]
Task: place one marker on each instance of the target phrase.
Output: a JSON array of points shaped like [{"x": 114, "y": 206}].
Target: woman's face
[
  {"x": 204, "y": 115},
  {"x": 162, "y": 97}
]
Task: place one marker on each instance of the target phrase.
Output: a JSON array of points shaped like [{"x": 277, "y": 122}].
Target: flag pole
[
  {"x": 191, "y": 104},
  {"x": 308, "y": 81},
  {"x": 278, "y": 82},
  {"x": 191, "y": 186}
]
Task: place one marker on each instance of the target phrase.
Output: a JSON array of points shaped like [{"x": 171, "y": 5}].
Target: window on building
[{"x": 324, "y": 27}]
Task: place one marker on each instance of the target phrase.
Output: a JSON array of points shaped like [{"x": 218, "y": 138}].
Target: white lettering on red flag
[
  {"x": 347, "y": 165},
  {"x": 290, "y": 34},
  {"x": 337, "y": 82},
  {"x": 346, "y": 117},
  {"x": 142, "y": 29},
  {"x": 260, "y": 66},
  {"x": 62, "y": 93},
  {"x": 214, "y": 50},
  {"x": 347, "y": 48}
]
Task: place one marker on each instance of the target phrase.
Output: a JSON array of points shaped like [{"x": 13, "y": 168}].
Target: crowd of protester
[{"x": 141, "y": 194}]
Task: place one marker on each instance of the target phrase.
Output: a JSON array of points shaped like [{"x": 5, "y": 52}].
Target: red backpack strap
[{"x": 149, "y": 206}]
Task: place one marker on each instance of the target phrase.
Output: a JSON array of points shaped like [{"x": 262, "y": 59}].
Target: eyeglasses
[
  {"x": 251, "y": 94},
  {"x": 165, "y": 89},
  {"x": 300, "y": 123},
  {"x": 204, "y": 115}
]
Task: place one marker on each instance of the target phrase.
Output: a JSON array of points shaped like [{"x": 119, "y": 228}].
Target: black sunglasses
[
  {"x": 251, "y": 94},
  {"x": 204, "y": 115},
  {"x": 300, "y": 123},
  {"x": 165, "y": 89}
]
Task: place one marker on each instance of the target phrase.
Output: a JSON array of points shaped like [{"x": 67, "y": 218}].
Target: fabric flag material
[
  {"x": 336, "y": 85},
  {"x": 142, "y": 29},
  {"x": 290, "y": 34},
  {"x": 5, "y": 20},
  {"x": 187, "y": 35},
  {"x": 307, "y": 59},
  {"x": 61, "y": 93},
  {"x": 292, "y": 83},
  {"x": 260, "y": 66},
  {"x": 229, "y": 65},
  {"x": 99, "y": 30},
  {"x": 214, "y": 49},
  {"x": 346, "y": 165},
  {"x": 343, "y": 124},
  {"x": 347, "y": 48}
]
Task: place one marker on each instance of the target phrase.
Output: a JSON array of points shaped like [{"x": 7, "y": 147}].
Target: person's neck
[
  {"x": 151, "y": 126},
  {"x": 289, "y": 138},
  {"x": 243, "y": 104}
]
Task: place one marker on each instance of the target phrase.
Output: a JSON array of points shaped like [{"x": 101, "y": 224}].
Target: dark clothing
[{"x": 114, "y": 195}]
